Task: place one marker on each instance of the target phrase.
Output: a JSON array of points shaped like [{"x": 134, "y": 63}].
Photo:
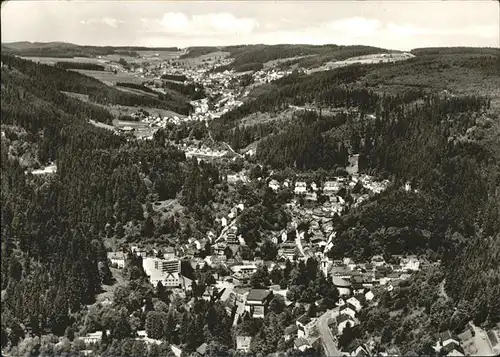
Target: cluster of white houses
[{"x": 331, "y": 187}]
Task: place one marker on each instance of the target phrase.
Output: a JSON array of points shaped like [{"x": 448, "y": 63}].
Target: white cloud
[
  {"x": 209, "y": 24},
  {"x": 354, "y": 26},
  {"x": 109, "y": 21}
]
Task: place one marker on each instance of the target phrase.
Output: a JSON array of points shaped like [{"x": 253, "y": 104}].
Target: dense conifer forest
[{"x": 80, "y": 65}]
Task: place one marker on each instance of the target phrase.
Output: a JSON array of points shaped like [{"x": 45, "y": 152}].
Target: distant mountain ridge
[{"x": 64, "y": 49}]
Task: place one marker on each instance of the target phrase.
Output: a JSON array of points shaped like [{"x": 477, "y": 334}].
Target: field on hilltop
[{"x": 301, "y": 55}]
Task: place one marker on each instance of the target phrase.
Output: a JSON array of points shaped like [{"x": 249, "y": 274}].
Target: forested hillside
[
  {"x": 53, "y": 257},
  {"x": 70, "y": 81}
]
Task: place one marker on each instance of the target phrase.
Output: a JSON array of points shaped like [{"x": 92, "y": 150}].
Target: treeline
[
  {"x": 80, "y": 65},
  {"x": 53, "y": 259},
  {"x": 71, "y": 81},
  {"x": 174, "y": 77}
]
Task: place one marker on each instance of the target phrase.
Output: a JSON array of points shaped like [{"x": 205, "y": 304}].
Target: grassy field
[
  {"x": 110, "y": 78},
  {"x": 82, "y": 97},
  {"x": 118, "y": 110},
  {"x": 137, "y": 91}
]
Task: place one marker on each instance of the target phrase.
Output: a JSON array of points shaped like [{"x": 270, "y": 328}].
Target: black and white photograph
[{"x": 250, "y": 178}]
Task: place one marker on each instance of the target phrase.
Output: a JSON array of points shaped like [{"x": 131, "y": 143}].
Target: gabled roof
[
  {"x": 339, "y": 282},
  {"x": 348, "y": 306},
  {"x": 202, "y": 349},
  {"x": 304, "y": 319},
  {"x": 299, "y": 342},
  {"x": 354, "y": 299},
  {"x": 258, "y": 294},
  {"x": 466, "y": 335},
  {"x": 344, "y": 317},
  {"x": 360, "y": 352},
  {"x": 450, "y": 347},
  {"x": 291, "y": 329},
  {"x": 340, "y": 270},
  {"x": 447, "y": 335}
]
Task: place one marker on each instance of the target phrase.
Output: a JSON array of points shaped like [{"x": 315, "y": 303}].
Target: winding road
[{"x": 329, "y": 342}]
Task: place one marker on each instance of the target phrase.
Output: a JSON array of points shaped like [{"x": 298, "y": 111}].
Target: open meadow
[{"x": 110, "y": 78}]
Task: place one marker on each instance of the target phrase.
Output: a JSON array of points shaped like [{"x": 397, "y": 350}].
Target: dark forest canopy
[
  {"x": 174, "y": 77},
  {"x": 456, "y": 50},
  {"x": 80, "y": 65},
  {"x": 53, "y": 257}
]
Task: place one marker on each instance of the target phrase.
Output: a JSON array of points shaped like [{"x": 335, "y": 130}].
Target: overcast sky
[{"x": 390, "y": 24}]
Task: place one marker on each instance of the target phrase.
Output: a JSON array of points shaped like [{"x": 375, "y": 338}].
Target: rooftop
[
  {"x": 304, "y": 319},
  {"x": 202, "y": 349},
  {"x": 299, "y": 342},
  {"x": 344, "y": 317},
  {"x": 258, "y": 294},
  {"x": 447, "y": 335}
]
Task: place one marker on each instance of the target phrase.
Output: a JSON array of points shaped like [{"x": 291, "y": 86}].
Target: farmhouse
[
  {"x": 117, "y": 259},
  {"x": 257, "y": 302},
  {"x": 305, "y": 325},
  {"x": 243, "y": 343},
  {"x": 300, "y": 188}
]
